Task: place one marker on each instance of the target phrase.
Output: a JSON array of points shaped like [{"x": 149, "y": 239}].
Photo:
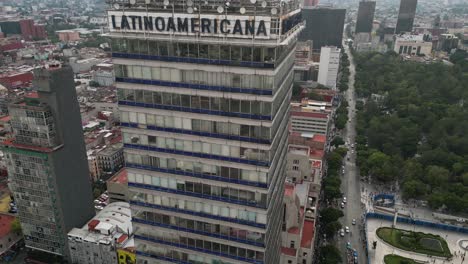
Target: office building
[
  {"x": 365, "y": 17},
  {"x": 329, "y": 66},
  {"x": 412, "y": 45},
  {"x": 46, "y": 161},
  {"x": 447, "y": 42},
  {"x": 97, "y": 241},
  {"x": 324, "y": 26},
  {"x": 406, "y": 16},
  {"x": 204, "y": 106}
]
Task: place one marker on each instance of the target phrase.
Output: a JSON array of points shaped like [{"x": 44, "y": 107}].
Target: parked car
[
  {"x": 354, "y": 221},
  {"x": 344, "y": 199},
  {"x": 341, "y": 232},
  {"x": 346, "y": 229},
  {"x": 342, "y": 205}
]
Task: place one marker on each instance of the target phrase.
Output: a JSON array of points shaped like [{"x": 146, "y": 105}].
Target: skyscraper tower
[
  {"x": 365, "y": 18},
  {"x": 324, "y": 26},
  {"x": 406, "y": 16},
  {"x": 204, "y": 90},
  {"x": 46, "y": 162}
]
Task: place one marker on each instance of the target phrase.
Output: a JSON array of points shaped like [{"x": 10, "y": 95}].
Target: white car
[
  {"x": 354, "y": 221},
  {"x": 342, "y": 232},
  {"x": 344, "y": 199},
  {"x": 347, "y": 229},
  {"x": 342, "y": 205}
]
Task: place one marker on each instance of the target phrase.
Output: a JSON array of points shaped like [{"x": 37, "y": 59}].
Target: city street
[{"x": 351, "y": 179}]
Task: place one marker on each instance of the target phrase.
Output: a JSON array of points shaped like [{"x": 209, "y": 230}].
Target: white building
[
  {"x": 97, "y": 241},
  {"x": 103, "y": 74},
  {"x": 329, "y": 66},
  {"x": 412, "y": 45},
  {"x": 83, "y": 65}
]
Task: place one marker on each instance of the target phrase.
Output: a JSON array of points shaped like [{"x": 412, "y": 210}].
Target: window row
[
  {"x": 199, "y": 188},
  {"x": 201, "y": 207},
  {"x": 215, "y": 229},
  {"x": 198, "y": 50},
  {"x": 212, "y": 247},
  {"x": 197, "y": 147},
  {"x": 197, "y": 167},
  {"x": 247, "y": 81},
  {"x": 196, "y": 102},
  {"x": 175, "y": 255},
  {"x": 216, "y": 127}
]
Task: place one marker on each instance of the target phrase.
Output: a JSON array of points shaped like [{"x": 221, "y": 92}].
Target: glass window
[
  {"x": 246, "y": 53},
  {"x": 235, "y": 53},
  {"x": 245, "y": 107},
  {"x": 235, "y": 106},
  {"x": 213, "y": 52}
]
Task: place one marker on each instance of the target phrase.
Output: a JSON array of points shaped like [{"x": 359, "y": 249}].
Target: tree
[
  {"x": 437, "y": 176},
  {"x": 337, "y": 141},
  {"x": 332, "y": 228},
  {"x": 413, "y": 189},
  {"x": 465, "y": 178},
  {"x": 330, "y": 214},
  {"x": 330, "y": 254},
  {"x": 16, "y": 226}
]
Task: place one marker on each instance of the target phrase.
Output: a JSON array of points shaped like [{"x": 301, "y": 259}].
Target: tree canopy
[{"x": 413, "y": 126}]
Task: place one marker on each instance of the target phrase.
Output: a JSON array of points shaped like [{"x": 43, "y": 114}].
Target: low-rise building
[
  {"x": 103, "y": 74},
  {"x": 117, "y": 187},
  {"x": 68, "y": 35},
  {"x": 329, "y": 66},
  {"x": 412, "y": 45},
  {"x": 98, "y": 241},
  {"x": 110, "y": 159},
  {"x": 311, "y": 116},
  {"x": 83, "y": 65}
]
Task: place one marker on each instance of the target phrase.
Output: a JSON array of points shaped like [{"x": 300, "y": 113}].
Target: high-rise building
[
  {"x": 46, "y": 161},
  {"x": 406, "y": 16},
  {"x": 311, "y": 3},
  {"x": 329, "y": 66},
  {"x": 204, "y": 91},
  {"x": 324, "y": 26},
  {"x": 365, "y": 17}
]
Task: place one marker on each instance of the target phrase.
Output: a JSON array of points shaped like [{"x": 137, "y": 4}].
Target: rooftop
[
  {"x": 120, "y": 177},
  {"x": 288, "y": 251},
  {"x": 307, "y": 234},
  {"x": 5, "y": 224}
]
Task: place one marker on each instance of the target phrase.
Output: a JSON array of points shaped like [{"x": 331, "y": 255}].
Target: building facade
[
  {"x": 110, "y": 159},
  {"x": 406, "y": 16},
  {"x": 204, "y": 102},
  {"x": 365, "y": 17},
  {"x": 324, "y": 26},
  {"x": 329, "y": 66},
  {"x": 97, "y": 241},
  {"x": 46, "y": 162},
  {"x": 412, "y": 45}
]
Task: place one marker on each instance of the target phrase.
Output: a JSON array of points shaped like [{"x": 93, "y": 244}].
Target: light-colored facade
[
  {"x": 204, "y": 101},
  {"x": 302, "y": 189},
  {"x": 310, "y": 121},
  {"x": 110, "y": 159},
  {"x": 412, "y": 45},
  {"x": 329, "y": 66},
  {"x": 98, "y": 240},
  {"x": 103, "y": 74}
]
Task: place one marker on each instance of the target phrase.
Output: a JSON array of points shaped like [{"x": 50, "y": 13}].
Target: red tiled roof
[
  {"x": 5, "y": 224},
  {"x": 120, "y": 177},
  {"x": 310, "y": 114},
  {"x": 5, "y": 118},
  {"x": 307, "y": 234},
  {"x": 288, "y": 189},
  {"x": 319, "y": 138},
  {"x": 288, "y": 251},
  {"x": 316, "y": 153},
  {"x": 10, "y": 142},
  {"x": 122, "y": 238}
]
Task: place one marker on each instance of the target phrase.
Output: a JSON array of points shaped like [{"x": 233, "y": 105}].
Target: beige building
[{"x": 412, "y": 45}]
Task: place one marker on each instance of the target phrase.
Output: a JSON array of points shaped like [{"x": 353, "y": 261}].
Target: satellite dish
[
  {"x": 189, "y": 3},
  {"x": 242, "y": 10},
  {"x": 132, "y": 2},
  {"x": 166, "y": 2},
  {"x": 220, "y": 9},
  {"x": 274, "y": 11},
  {"x": 195, "y": 9},
  {"x": 264, "y": 4},
  {"x": 253, "y": 1},
  {"x": 116, "y": 6},
  {"x": 190, "y": 10}
]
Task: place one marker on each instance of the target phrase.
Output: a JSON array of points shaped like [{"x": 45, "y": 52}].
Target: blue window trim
[
  {"x": 192, "y": 110},
  {"x": 204, "y": 196},
  {"x": 201, "y": 214},
  {"x": 196, "y": 175},
  {"x": 188, "y": 230},
  {"x": 203, "y": 134},
  {"x": 195, "y": 86},
  {"x": 159, "y": 241},
  {"x": 249, "y": 64},
  {"x": 199, "y": 155}
]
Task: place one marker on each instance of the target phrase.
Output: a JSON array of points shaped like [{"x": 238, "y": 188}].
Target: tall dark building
[
  {"x": 406, "y": 16},
  {"x": 324, "y": 26},
  {"x": 365, "y": 17},
  {"x": 46, "y": 162}
]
